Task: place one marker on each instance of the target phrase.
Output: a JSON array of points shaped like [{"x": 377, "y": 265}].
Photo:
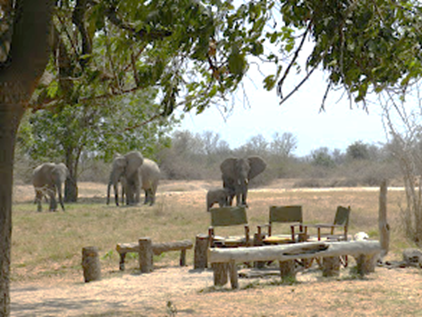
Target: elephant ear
[
  {"x": 60, "y": 172},
  {"x": 257, "y": 165},
  {"x": 134, "y": 160},
  {"x": 228, "y": 167},
  {"x": 119, "y": 162}
]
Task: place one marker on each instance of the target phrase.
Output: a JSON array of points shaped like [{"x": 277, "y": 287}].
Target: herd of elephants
[{"x": 136, "y": 173}]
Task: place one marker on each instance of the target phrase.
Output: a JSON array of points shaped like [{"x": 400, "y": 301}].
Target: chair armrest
[
  {"x": 292, "y": 228},
  {"x": 247, "y": 234},
  {"x": 260, "y": 227},
  {"x": 210, "y": 236}
]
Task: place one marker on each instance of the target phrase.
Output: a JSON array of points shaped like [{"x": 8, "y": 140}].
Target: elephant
[
  {"x": 125, "y": 169},
  {"x": 217, "y": 196},
  {"x": 236, "y": 174},
  {"x": 48, "y": 178},
  {"x": 149, "y": 173}
]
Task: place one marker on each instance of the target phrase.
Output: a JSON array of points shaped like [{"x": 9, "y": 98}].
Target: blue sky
[{"x": 336, "y": 128}]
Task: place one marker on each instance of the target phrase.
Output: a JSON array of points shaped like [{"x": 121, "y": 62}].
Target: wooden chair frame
[{"x": 228, "y": 216}]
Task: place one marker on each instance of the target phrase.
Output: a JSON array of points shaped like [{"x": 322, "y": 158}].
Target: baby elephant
[{"x": 218, "y": 195}]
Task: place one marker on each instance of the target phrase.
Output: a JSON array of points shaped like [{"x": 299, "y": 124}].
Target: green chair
[
  {"x": 229, "y": 217},
  {"x": 281, "y": 216}
]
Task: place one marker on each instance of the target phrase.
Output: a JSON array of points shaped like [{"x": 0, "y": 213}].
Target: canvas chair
[
  {"x": 336, "y": 231},
  {"x": 280, "y": 216},
  {"x": 227, "y": 217}
]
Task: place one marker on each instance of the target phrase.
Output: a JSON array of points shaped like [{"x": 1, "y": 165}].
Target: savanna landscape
[{"x": 47, "y": 278}]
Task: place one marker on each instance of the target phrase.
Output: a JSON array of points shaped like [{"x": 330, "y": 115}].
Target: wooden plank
[
  {"x": 305, "y": 250},
  {"x": 157, "y": 248}
]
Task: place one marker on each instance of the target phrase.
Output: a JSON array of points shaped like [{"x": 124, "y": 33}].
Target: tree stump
[
  {"x": 91, "y": 264},
  {"x": 287, "y": 271},
  {"x": 331, "y": 266},
  {"x": 220, "y": 273},
  {"x": 201, "y": 247},
  {"x": 384, "y": 227},
  {"x": 145, "y": 255},
  {"x": 366, "y": 263}
]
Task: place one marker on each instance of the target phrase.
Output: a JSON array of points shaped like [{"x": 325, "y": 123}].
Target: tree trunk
[
  {"x": 10, "y": 116},
  {"x": 71, "y": 185},
  {"x": 19, "y": 76}
]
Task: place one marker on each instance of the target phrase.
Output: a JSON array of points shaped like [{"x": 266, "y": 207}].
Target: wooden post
[
  {"x": 182, "y": 261},
  {"x": 366, "y": 263},
  {"x": 91, "y": 264},
  {"x": 145, "y": 255},
  {"x": 287, "y": 271},
  {"x": 331, "y": 266},
  {"x": 383, "y": 225},
  {"x": 201, "y": 247},
  {"x": 122, "y": 261},
  {"x": 220, "y": 273},
  {"x": 232, "y": 267}
]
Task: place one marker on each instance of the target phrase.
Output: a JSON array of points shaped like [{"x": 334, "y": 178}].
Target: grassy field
[{"x": 48, "y": 245}]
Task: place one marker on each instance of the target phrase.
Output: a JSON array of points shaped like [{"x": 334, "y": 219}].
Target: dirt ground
[{"x": 175, "y": 291}]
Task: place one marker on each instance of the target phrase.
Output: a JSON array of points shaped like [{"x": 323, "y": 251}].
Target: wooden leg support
[
  {"x": 220, "y": 273},
  {"x": 366, "y": 264},
  {"x": 233, "y": 275},
  {"x": 331, "y": 266},
  {"x": 182, "y": 257},
  {"x": 122, "y": 261},
  {"x": 287, "y": 271}
]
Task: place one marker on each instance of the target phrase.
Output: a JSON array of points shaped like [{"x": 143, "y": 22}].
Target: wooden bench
[
  {"x": 224, "y": 260},
  {"x": 146, "y": 249}
]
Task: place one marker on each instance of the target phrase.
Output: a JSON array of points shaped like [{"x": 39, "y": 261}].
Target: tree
[
  {"x": 283, "y": 145},
  {"x": 195, "y": 53},
  {"x": 114, "y": 126},
  {"x": 358, "y": 151}
]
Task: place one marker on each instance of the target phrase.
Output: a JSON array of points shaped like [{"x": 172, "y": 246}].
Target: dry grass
[{"x": 47, "y": 251}]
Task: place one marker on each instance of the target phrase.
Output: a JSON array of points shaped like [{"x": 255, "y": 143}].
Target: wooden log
[
  {"x": 366, "y": 263},
  {"x": 234, "y": 281},
  {"x": 200, "y": 260},
  {"x": 305, "y": 250},
  {"x": 287, "y": 271},
  {"x": 91, "y": 264},
  {"x": 220, "y": 273},
  {"x": 384, "y": 227},
  {"x": 145, "y": 255},
  {"x": 331, "y": 266},
  {"x": 157, "y": 248}
]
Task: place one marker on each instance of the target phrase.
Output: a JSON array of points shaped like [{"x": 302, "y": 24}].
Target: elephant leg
[
  {"x": 38, "y": 200},
  {"x": 61, "y": 200},
  {"x": 151, "y": 197},
  {"x": 244, "y": 196},
  {"x": 146, "y": 200},
  {"x": 53, "y": 202},
  {"x": 116, "y": 194}
]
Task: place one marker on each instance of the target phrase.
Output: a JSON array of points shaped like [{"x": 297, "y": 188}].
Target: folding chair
[
  {"x": 290, "y": 216},
  {"x": 228, "y": 217}
]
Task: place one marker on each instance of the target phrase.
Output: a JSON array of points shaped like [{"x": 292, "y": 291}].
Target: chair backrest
[
  {"x": 342, "y": 216},
  {"x": 228, "y": 216},
  {"x": 286, "y": 214}
]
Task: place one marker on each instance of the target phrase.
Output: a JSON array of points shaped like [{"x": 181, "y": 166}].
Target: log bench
[
  {"x": 224, "y": 260},
  {"x": 146, "y": 249}
]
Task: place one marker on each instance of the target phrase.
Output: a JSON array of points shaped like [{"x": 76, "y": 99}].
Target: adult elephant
[
  {"x": 150, "y": 175},
  {"x": 236, "y": 174},
  {"x": 47, "y": 179},
  {"x": 125, "y": 169}
]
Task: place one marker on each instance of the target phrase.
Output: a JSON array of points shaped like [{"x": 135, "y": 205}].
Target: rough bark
[
  {"x": 18, "y": 78},
  {"x": 201, "y": 248},
  {"x": 145, "y": 255},
  {"x": 384, "y": 227},
  {"x": 91, "y": 264}
]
